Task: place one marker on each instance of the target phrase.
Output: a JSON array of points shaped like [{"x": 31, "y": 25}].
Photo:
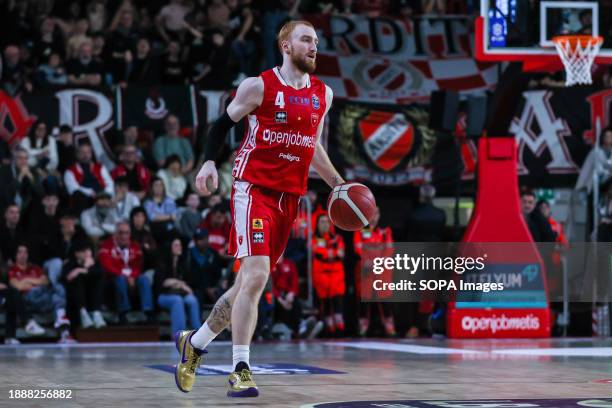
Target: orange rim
[{"x": 573, "y": 40}]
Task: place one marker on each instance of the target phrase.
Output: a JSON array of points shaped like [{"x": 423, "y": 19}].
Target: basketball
[{"x": 351, "y": 206}]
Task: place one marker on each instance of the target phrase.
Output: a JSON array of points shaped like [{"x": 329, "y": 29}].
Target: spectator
[
  {"x": 121, "y": 260},
  {"x": 14, "y": 77},
  {"x": 208, "y": 62},
  {"x": 538, "y": 225},
  {"x": 85, "y": 179},
  {"x": 379, "y": 243},
  {"x": 243, "y": 37},
  {"x": 285, "y": 289},
  {"x": 84, "y": 69},
  {"x": 49, "y": 41},
  {"x": 161, "y": 211},
  {"x": 20, "y": 183},
  {"x": 48, "y": 217},
  {"x": 218, "y": 227},
  {"x": 11, "y": 232},
  {"x": 274, "y": 14},
  {"x": 15, "y": 308},
  {"x": 175, "y": 295},
  {"x": 71, "y": 235},
  {"x": 143, "y": 236},
  {"x": 5, "y": 153},
  {"x": 173, "y": 179},
  {"x": 172, "y": 143},
  {"x": 433, "y": 7},
  {"x": 145, "y": 66},
  {"x": 98, "y": 45},
  {"x": 136, "y": 173},
  {"x": 189, "y": 217},
  {"x": 124, "y": 201},
  {"x": 41, "y": 148},
  {"x": 170, "y": 21},
  {"x": 99, "y": 220},
  {"x": 78, "y": 37},
  {"x": 121, "y": 46},
  {"x": 205, "y": 268},
  {"x": 600, "y": 159},
  {"x": 96, "y": 14},
  {"x": 426, "y": 222},
  {"x": 173, "y": 71},
  {"x": 52, "y": 72},
  {"x": 65, "y": 149},
  {"x": 82, "y": 277},
  {"x": 543, "y": 207},
  {"x": 372, "y": 8},
  {"x": 328, "y": 273},
  {"x": 38, "y": 294}
]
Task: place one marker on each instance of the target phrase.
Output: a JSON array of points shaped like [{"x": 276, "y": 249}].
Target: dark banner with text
[{"x": 555, "y": 130}]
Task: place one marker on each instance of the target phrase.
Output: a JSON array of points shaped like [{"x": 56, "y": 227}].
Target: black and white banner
[{"x": 555, "y": 131}]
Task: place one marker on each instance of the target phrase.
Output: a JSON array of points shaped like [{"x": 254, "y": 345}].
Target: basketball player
[{"x": 285, "y": 107}]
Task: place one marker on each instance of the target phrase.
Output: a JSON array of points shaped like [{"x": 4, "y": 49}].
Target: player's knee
[{"x": 256, "y": 281}]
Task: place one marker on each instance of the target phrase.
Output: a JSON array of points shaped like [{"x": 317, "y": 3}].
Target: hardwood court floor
[{"x": 112, "y": 375}]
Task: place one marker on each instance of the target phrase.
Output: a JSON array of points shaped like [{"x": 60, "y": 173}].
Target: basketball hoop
[{"x": 577, "y": 53}]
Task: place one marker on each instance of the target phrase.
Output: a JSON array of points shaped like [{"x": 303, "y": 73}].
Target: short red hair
[{"x": 287, "y": 29}]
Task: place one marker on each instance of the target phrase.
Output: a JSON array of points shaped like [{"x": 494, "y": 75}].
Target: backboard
[{"x": 521, "y": 30}]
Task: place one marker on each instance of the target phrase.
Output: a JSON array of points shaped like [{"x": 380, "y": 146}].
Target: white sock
[
  {"x": 240, "y": 353},
  {"x": 203, "y": 337}
]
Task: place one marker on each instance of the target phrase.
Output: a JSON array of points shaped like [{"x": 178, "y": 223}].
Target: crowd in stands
[
  {"x": 112, "y": 42},
  {"x": 88, "y": 244}
]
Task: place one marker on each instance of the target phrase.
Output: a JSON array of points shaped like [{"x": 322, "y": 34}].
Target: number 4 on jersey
[{"x": 280, "y": 100}]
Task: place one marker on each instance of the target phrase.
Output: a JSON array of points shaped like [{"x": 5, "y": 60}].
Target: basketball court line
[{"x": 415, "y": 349}]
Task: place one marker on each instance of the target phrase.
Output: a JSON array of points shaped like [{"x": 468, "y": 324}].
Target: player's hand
[{"x": 207, "y": 179}]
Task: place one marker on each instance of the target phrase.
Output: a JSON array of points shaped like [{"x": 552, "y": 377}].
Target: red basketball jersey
[{"x": 281, "y": 135}]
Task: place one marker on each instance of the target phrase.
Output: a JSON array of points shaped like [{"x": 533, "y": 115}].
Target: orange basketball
[{"x": 351, "y": 206}]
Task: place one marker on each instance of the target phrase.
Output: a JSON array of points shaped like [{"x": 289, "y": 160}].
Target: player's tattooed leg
[{"x": 221, "y": 314}]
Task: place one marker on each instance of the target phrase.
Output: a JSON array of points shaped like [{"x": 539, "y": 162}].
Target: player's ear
[{"x": 286, "y": 46}]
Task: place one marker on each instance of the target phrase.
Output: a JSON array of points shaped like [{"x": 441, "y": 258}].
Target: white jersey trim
[
  {"x": 242, "y": 211},
  {"x": 249, "y": 145},
  {"x": 282, "y": 81}
]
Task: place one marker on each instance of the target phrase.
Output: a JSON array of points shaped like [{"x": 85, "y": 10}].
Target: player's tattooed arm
[{"x": 221, "y": 314}]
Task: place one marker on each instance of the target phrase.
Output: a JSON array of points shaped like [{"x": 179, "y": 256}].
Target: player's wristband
[{"x": 216, "y": 136}]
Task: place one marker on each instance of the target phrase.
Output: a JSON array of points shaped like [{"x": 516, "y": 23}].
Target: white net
[{"x": 577, "y": 54}]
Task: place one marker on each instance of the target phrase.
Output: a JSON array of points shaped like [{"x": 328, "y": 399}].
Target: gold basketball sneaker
[
  {"x": 241, "y": 384},
  {"x": 189, "y": 360}
]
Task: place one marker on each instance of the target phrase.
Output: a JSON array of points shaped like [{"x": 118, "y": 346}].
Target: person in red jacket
[
  {"x": 377, "y": 242},
  {"x": 137, "y": 174},
  {"x": 328, "y": 273},
  {"x": 121, "y": 259},
  {"x": 218, "y": 226},
  {"x": 288, "y": 308},
  {"x": 86, "y": 178}
]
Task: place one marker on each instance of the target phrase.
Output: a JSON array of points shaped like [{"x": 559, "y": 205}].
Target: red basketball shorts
[{"x": 262, "y": 221}]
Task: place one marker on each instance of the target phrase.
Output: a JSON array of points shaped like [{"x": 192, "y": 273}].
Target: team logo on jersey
[
  {"x": 315, "y": 102},
  {"x": 314, "y": 119},
  {"x": 257, "y": 223},
  {"x": 280, "y": 117},
  {"x": 258, "y": 237},
  {"x": 240, "y": 240}
]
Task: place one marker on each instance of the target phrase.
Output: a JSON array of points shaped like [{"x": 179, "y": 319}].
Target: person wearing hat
[
  {"x": 100, "y": 219},
  {"x": 205, "y": 268}
]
